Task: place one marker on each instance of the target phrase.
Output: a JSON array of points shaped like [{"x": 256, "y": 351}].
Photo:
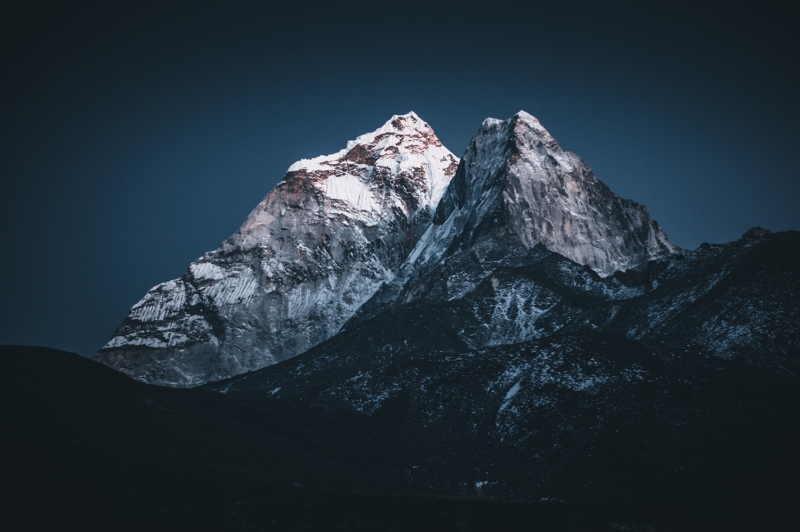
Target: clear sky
[{"x": 138, "y": 135}]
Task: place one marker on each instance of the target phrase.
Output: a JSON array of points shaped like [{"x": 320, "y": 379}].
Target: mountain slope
[
  {"x": 87, "y": 448},
  {"x": 497, "y": 295},
  {"x": 315, "y": 249}
]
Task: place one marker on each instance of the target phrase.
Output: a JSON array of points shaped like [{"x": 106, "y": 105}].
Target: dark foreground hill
[
  {"x": 672, "y": 390},
  {"x": 88, "y": 448}
]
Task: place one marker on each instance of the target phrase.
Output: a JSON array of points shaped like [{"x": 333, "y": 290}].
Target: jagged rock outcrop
[
  {"x": 364, "y": 224},
  {"x": 309, "y": 255},
  {"x": 515, "y": 178}
]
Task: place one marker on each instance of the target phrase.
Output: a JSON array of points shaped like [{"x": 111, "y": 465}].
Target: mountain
[
  {"x": 356, "y": 227},
  {"x": 516, "y": 179},
  {"x": 531, "y": 371},
  {"x": 88, "y": 448},
  {"x": 498, "y": 343},
  {"x": 649, "y": 409},
  {"x": 309, "y": 255},
  {"x": 672, "y": 390}
]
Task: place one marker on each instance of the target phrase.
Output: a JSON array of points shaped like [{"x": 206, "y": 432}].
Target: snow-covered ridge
[
  {"x": 403, "y": 125},
  {"x": 401, "y": 165},
  {"x": 306, "y": 258}
]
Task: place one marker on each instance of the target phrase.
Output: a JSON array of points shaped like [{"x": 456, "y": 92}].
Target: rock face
[
  {"x": 515, "y": 178},
  {"x": 348, "y": 233},
  {"x": 307, "y": 257}
]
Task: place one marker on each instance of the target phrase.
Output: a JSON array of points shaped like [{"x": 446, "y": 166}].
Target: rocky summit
[
  {"x": 309, "y": 255},
  {"x": 344, "y": 234},
  {"x": 516, "y": 179}
]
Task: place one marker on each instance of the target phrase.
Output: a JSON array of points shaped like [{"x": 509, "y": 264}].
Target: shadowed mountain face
[
  {"x": 366, "y": 220},
  {"x": 672, "y": 389},
  {"x": 90, "y": 449},
  {"x": 576, "y": 417}
]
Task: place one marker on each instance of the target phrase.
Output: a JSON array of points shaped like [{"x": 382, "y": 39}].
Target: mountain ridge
[
  {"x": 318, "y": 245},
  {"x": 528, "y": 172},
  {"x": 345, "y": 233},
  {"x": 532, "y": 376}
]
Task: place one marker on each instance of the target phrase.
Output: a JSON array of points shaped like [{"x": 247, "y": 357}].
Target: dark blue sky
[{"x": 137, "y": 137}]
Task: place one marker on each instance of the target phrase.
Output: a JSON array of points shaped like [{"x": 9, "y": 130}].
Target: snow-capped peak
[
  {"x": 401, "y": 165},
  {"x": 398, "y": 131},
  {"x": 341, "y": 227},
  {"x": 516, "y": 178},
  {"x": 408, "y": 122},
  {"x": 521, "y": 116},
  {"x": 306, "y": 258},
  {"x": 532, "y": 124},
  {"x": 527, "y": 117}
]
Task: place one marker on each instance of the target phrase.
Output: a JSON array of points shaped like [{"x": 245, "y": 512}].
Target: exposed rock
[
  {"x": 514, "y": 177},
  {"x": 363, "y": 224},
  {"x": 308, "y": 256}
]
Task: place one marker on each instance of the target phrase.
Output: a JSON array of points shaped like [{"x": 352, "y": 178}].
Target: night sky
[{"x": 136, "y": 135}]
